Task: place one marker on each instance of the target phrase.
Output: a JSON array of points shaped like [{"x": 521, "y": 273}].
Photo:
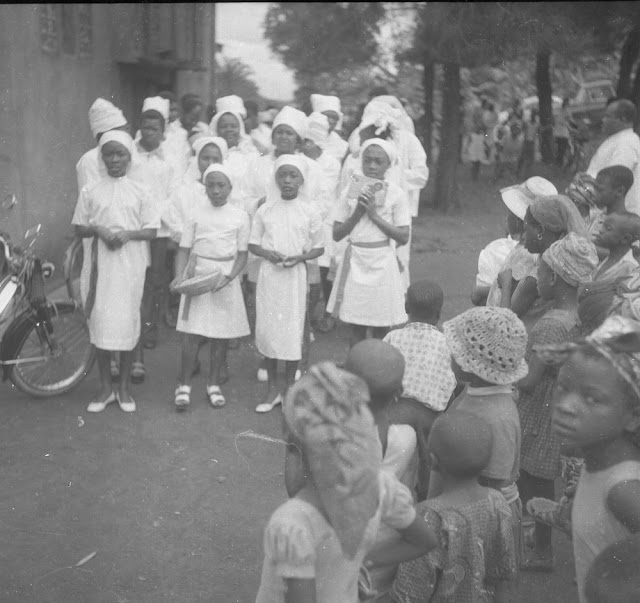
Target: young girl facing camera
[
  {"x": 286, "y": 232},
  {"x": 118, "y": 214},
  {"x": 214, "y": 238},
  {"x": 597, "y": 410}
]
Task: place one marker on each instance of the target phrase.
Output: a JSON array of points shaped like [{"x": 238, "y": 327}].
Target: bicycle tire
[{"x": 32, "y": 378}]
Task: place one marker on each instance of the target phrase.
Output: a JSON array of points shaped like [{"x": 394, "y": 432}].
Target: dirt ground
[{"x": 174, "y": 504}]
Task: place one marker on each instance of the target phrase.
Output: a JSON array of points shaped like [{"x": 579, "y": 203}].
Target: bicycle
[{"x": 45, "y": 348}]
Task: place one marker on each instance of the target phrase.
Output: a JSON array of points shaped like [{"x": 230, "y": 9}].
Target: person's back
[{"x": 472, "y": 523}]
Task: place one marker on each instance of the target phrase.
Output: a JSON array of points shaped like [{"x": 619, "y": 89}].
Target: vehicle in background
[{"x": 590, "y": 103}]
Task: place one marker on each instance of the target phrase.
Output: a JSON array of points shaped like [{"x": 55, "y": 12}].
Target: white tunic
[
  {"x": 622, "y": 148},
  {"x": 117, "y": 204},
  {"x": 239, "y": 161},
  {"x": 187, "y": 198},
  {"x": 155, "y": 169},
  {"x": 210, "y": 233},
  {"x": 336, "y": 146},
  {"x": 290, "y": 228},
  {"x": 373, "y": 290}
]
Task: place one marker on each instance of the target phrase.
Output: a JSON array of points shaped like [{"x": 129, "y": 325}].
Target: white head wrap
[
  {"x": 105, "y": 116},
  {"x": 318, "y": 128},
  {"x": 120, "y": 137},
  {"x": 297, "y": 161},
  {"x": 321, "y": 103},
  {"x": 403, "y": 118},
  {"x": 231, "y": 104},
  {"x": 203, "y": 141},
  {"x": 293, "y": 118},
  {"x": 213, "y": 126},
  {"x": 388, "y": 147},
  {"x": 157, "y": 103},
  {"x": 217, "y": 167},
  {"x": 381, "y": 115}
]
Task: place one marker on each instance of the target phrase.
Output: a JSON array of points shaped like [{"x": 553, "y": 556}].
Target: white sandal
[
  {"x": 269, "y": 406},
  {"x": 182, "y": 396},
  {"x": 215, "y": 396},
  {"x": 97, "y": 406}
]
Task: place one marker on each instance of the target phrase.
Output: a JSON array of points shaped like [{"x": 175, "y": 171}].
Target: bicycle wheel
[
  {"x": 73, "y": 258},
  {"x": 60, "y": 369}
]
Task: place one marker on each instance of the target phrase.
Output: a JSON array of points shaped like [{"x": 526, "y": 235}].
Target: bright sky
[{"x": 239, "y": 30}]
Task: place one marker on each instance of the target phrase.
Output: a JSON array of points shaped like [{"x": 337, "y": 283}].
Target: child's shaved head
[
  {"x": 618, "y": 176},
  {"x": 461, "y": 443},
  {"x": 619, "y": 229},
  {"x": 379, "y": 364},
  {"x": 424, "y": 300}
]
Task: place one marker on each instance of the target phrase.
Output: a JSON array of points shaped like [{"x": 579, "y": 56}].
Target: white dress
[
  {"x": 117, "y": 204},
  {"x": 371, "y": 288},
  {"x": 216, "y": 235},
  {"x": 188, "y": 197},
  {"x": 336, "y": 146},
  {"x": 290, "y": 228}
]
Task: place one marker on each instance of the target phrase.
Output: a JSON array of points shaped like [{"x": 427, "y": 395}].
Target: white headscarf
[
  {"x": 388, "y": 147},
  {"x": 118, "y": 136},
  {"x": 297, "y": 161},
  {"x": 213, "y": 126},
  {"x": 404, "y": 119},
  {"x": 293, "y": 118},
  {"x": 159, "y": 104},
  {"x": 105, "y": 116},
  {"x": 201, "y": 142},
  {"x": 318, "y": 128},
  {"x": 217, "y": 167},
  {"x": 231, "y": 104},
  {"x": 321, "y": 103}
]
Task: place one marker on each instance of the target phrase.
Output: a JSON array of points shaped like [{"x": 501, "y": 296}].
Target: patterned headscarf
[
  {"x": 617, "y": 340},
  {"x": 582, "y": 190},
  {"x": 558, "y": 214},
  {"x": 327, "y": 413},
  {"x": 572, "y": 258}
]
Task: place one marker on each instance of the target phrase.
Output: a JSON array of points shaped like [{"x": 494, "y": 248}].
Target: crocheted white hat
[{"x": 489, "y": 342}]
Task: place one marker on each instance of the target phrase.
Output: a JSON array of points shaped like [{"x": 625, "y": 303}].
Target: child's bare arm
[
  {"x": 535, "y": 374},
  {"x": 523, "y": 297},
  {"x": 300, "y": 590},
  {"x": 272, "y": 256},
  {"x": 624, "y": 502},
  {"x": 182, "y": 257},
  {"x": 417, "y": 540}
]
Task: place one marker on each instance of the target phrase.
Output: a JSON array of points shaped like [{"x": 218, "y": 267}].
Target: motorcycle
[{"x": 44, "y": 344}]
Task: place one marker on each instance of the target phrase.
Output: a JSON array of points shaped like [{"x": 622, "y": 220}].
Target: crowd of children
[{"x": 424, "y": 468}]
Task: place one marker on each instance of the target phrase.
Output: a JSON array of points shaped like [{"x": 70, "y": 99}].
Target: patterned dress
[
  {"x": 540, "y": 453},
  {"x": 475, "y": 550}
]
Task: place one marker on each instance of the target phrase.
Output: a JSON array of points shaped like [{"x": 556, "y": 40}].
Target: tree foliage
[
  {"x": 317, "y": 37},
  {"x": 233, "y": 76}
]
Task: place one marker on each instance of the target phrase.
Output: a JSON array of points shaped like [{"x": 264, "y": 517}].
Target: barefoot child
[
  {"x": 403, "y": 429},
  {"x": 428, "y": 378},
  {"x": 315, "y": 542},
  {"x": 597, "y": 410},
  {"x": 472, "y": 523},
  {"x": 286, "y": 232},
  {"x": 618, "y": 232},
  {"x": 488, "y": 347},
  {"x": 119, "y": 215},
  {"x": 563, "y": 267},
  {"x": 214, "y": 238},
  {"x": 368, "y": 289}
]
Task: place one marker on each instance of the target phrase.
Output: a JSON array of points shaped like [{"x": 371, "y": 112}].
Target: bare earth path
[{"x": 171, "y": 509}]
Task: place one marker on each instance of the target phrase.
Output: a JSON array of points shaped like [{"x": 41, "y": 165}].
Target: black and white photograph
[{"x": 320, "y": 302}]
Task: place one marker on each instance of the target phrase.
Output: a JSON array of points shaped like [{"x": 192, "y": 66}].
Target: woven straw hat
[
  {"x": 489, "y": 342},
  {"x": 519, "y": 196},
  {"x": 198, "y": 285}
]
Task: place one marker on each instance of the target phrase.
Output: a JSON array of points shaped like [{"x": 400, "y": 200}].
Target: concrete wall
[{"x": 44, "y": 101}]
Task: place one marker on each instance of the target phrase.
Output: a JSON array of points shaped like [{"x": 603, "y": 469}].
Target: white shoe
[
  {"x": 100, "y": 406},
  {"x": 298, "y": 375},
  {"x": 269, "y": 406},
  {"x": 263, "y": 375},
  {"x": 127, "y": 406}
]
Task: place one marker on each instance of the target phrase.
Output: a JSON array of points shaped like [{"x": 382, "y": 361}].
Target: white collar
[{"x": 490, "y": 390}]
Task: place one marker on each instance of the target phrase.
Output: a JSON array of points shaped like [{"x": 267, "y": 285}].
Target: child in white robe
[
  {"x": 287, "y": 233},
  {"x": 119, "y": 215},
  {"x": 215, "y": 238},
  {"x": 368, "y": 289}
]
